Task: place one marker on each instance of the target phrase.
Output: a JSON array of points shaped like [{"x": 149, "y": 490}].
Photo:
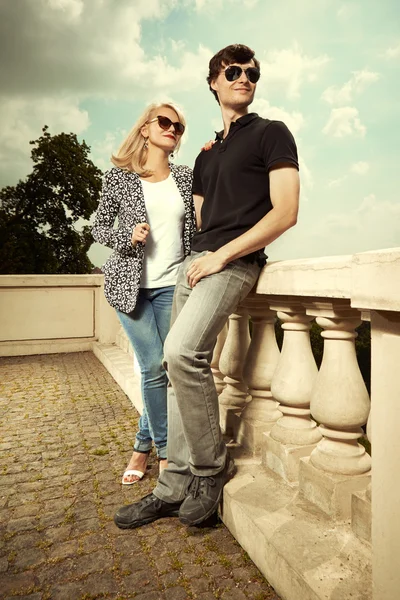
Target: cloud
[
  {"x": 344, "y": 122},
  {"x": 347, "y": 10},
  {"x": 101, "y": 150},
  {"x": 307, "y": 179},
  {"x": 372, "y": 224},
  {"x": 177, "y": 45},
  {"x": 392, "y": 52},
  {"x": 290, "y": 69},
  {"x": 378, "y": 219},
  {"x": 22, "y": 120},
  {"x": 202, "y": 4},
  {"x": 191, "y": 72},
  {"x": 213, "y": 6},
  {"x": 360, "y": 168},
  {"x": 89, "y": 49},
  {"x": 67, "y": 51},
  {"x": 72, "y": 9},
  {"x": 357, "y": 84},
  {"x": 336, "y": 182},
  {"x": 294, "y": 119}
]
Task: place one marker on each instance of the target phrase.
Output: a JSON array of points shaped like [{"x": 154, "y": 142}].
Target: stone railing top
[
  {"x": 370, "y": 280},
  {"x": 15, "y": 281},
  {"x": 376, "y": 280},
  {"x": 328, "y": 277}
]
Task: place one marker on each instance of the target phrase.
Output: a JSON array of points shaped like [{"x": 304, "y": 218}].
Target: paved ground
[{"x": 66, "y": 431}]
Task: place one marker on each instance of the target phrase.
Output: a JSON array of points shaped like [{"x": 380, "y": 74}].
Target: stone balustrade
[
  {"x": 305, "y": 424},
  {"x": 44, "y": 314},
  {"x": 310, "y": 506}
]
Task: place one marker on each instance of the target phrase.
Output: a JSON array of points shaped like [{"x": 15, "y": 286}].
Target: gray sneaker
[
  {"x": 204, "y": 495},
  {"x": 148, "y": 509}
]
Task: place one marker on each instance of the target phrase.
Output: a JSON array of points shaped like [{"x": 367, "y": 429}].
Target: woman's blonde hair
[{"x": 132, "y": 154}]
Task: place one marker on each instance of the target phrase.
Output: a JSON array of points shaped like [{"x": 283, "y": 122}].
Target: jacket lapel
[{"x": 136, "y": 197}]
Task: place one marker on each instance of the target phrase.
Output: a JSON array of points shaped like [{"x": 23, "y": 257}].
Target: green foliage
[
  {"x": 363, "y": 351},
  {"x": 38, "y": 216}
]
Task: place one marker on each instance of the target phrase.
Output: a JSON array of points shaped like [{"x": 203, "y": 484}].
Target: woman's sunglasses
[
  {"x": 234, "y": 72},
  {"x": 165, "y": 123}
]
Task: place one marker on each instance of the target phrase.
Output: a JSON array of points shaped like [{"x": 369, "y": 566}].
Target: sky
[{"x": 329, "y": 69}]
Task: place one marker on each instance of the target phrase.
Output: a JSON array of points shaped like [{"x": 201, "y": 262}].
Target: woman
[{"x": 152, "y": 200}]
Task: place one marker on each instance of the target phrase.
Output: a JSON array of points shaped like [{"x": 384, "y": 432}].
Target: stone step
[
  {"x": 121, "y": 366},
  {"x": 361, "y": 515},
  {"x": 302, "y": 552}
]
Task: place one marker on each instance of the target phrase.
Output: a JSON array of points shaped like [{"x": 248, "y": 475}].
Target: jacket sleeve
[{"x": 103, "y": 229}]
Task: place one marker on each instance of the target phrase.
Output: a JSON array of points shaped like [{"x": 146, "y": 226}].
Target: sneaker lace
[
  {"x": 149, "y": 499},
  {"x": 198, "y": 484}
]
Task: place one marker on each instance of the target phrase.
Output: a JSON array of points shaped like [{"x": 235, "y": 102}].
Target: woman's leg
[
  {"x": 146, "y": 333},
  {"x": 161, "y": 299},
  {"x": 143, "y": 440}
]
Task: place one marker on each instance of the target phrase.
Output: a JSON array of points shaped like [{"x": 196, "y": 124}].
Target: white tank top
[{"x": 164, "y": 248}]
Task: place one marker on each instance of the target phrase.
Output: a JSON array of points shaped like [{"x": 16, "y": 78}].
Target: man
[{"x": 246, "y": 191}]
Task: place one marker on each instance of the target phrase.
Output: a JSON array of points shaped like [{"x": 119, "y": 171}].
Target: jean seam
[
  {"x": 212, "y": 423},
  {"x": 205, "y": 327},
  {"x": 243, "y": 282}
]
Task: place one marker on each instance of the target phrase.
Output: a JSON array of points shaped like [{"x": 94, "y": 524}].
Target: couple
[{"x": 245, "y": 194}]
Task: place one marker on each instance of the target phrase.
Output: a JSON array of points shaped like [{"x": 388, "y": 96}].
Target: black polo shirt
[{"x": 233, "y": 178}]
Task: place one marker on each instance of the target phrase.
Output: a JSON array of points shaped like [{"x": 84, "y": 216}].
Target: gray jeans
[{"x": 195, "y": 444}]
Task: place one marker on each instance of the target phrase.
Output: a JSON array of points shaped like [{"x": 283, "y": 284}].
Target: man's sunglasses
[
  {"x": 165, "y": 123},
  {"x": 234, "y": 72}
]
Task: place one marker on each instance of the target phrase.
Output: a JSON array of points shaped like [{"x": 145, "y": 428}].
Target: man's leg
[
  {"x": 173, "y": 482},
  {"x": 193, "y": 402}
]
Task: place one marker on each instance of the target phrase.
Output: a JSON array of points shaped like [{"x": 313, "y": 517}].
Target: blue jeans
[{"x": 147, "y": 327}]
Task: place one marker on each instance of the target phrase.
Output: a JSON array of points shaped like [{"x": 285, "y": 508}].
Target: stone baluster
[
  {"x": 340, "y": 401},
  {"x": 262, "y": 411},
  {"x": 295, "y": 434},
  {"x": 233, "y": 358},
  {"x": 361, "y": 517},
  {"x": 369, "y": 427},
  {"x": 218, "y": 377},
  {"x": 338, "y": 466},
  {"x": 294, "y": 378},
  {"x": 261, "y": 361}
]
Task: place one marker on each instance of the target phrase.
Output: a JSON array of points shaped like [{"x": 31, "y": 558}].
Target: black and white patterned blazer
[{"x": 122, "y": 197}]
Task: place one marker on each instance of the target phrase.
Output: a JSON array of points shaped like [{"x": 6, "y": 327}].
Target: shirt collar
[{"x": 242, "y": 121}]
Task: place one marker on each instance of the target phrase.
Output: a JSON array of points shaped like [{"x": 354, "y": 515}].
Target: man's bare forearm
[{"x": 268, "y": 229}]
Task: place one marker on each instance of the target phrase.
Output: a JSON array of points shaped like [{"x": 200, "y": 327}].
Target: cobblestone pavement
[{"x": 66, "y": 432}]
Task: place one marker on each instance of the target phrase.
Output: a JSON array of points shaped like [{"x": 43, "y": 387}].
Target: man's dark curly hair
[{"x": 235, "y": 53}]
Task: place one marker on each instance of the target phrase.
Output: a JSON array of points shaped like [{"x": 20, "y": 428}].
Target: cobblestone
[{"x": 66, "y": 432}]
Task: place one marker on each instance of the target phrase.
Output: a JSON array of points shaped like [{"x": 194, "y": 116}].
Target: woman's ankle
[{"x": 162, "y": 464}]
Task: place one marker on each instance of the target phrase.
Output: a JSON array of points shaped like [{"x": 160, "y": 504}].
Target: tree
[{"x": 39, "y": 216}]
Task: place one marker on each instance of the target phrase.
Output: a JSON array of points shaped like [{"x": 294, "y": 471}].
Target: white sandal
[{"x": 132, "y": 472}]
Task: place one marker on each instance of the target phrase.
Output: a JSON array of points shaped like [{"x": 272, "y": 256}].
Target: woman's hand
[
  {"x": 208, "y": 145},
  {"x": 140, "y": 233}
]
